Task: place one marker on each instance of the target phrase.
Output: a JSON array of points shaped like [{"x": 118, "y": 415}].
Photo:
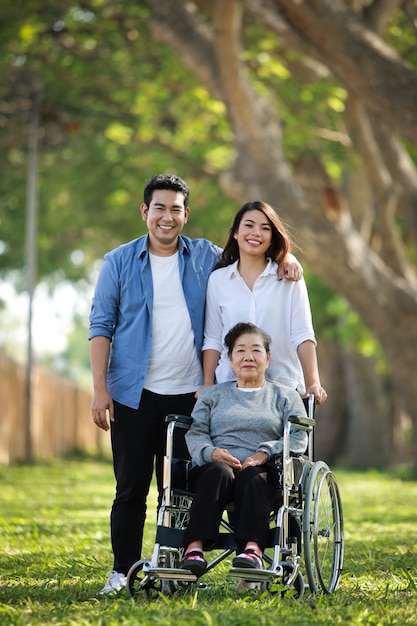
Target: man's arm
[
  {"x": 290, "y": 268},
  {"x": 102, "y": 402}
]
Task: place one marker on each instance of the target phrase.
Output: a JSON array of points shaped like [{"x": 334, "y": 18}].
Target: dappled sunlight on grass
[{"x": 55, "y": 551}]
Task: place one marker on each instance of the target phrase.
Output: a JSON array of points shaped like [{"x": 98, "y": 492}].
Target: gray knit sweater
[{"x": 244, "y": 422}]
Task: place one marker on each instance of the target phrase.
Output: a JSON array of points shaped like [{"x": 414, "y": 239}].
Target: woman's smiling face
[{"x": 254, "y": 235}]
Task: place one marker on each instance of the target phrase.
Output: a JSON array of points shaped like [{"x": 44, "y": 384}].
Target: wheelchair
[{"x": 306, "y": 542}]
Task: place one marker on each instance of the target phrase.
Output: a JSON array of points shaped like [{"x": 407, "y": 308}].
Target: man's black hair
[{"x": 165, "y": 181}]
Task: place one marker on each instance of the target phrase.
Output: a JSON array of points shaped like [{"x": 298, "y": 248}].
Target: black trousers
[
  {"x": 215, "y": 486},
  {"x": 138, "y": 438}
]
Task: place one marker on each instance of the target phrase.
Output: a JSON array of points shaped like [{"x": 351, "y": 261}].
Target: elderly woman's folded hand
[
  {"x": 221, "y": 455},
  {"x": 259, "y": 458}
]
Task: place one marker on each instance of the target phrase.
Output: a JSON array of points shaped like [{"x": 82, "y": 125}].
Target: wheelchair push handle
[
  {"x": 183, "y": 421},
  {"x": 302, "y": 422}
]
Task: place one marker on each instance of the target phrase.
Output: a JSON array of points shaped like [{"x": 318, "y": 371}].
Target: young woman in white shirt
[{"x": 244, "y": 288}]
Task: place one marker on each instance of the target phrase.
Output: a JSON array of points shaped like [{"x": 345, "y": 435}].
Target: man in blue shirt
[{"x": 146, "y": 333}]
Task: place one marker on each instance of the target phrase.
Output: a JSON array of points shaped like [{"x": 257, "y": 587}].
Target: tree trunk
[{"x": 355, "y": 426}]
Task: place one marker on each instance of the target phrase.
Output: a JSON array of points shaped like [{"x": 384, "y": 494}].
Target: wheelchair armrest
[
  {"x": 303, "y": 422},
  {"x": 183, "y": 421}
]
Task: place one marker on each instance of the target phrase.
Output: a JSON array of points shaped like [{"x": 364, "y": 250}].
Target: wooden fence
[{"x": 60, "y": 417}]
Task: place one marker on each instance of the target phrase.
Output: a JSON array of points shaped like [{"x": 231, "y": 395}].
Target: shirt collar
[
  {"x": 271, "y": 268},
  {"x": 183, "y": 245}
]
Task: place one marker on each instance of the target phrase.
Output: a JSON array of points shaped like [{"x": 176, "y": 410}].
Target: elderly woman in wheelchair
[
  {"x": 237, "y": 429},
  {"x": 246, "y": 440}
]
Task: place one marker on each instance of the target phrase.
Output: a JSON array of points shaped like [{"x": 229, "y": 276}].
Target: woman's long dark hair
[{"x": 280, "y": 243}]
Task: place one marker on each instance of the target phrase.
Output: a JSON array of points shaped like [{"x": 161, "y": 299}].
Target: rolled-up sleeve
[
  {"x": 105, "y": 301},
  {"x": 301, "y": 323},
  {"x": 213, "y": 327}
]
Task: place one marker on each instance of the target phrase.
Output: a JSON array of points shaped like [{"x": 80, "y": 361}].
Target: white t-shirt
[
  {"x": 281, "y": 308},
  {"x": 174, "y": 366}
]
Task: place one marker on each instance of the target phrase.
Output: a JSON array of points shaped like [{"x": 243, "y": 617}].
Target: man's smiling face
[{"x": 165, "y": 218}]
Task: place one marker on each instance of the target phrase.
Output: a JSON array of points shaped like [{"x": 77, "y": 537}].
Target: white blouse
[{"x": 281, "y": 308}]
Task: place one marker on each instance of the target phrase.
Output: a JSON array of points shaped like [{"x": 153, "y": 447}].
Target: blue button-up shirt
[{"x": 123, "y": 302}]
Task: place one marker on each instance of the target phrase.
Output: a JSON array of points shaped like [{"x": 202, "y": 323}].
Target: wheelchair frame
[{"x": 308, "y": 526}]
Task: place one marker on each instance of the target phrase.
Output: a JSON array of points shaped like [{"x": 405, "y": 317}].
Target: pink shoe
[
  {"x": 248, "y": 558},
  {"x": 195, "y": 562}
]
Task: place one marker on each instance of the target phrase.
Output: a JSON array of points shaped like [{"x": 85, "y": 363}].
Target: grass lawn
[{"x": 55, "y": 551}]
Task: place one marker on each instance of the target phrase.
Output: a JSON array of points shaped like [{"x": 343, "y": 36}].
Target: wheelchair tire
[
  {"x": 323, "y": 540},
  {"x": 137, "y": 580}
]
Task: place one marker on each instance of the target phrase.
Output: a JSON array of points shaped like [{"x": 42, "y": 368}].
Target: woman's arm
[
  {"x": 308, "y": 358},
  {"x": 210, "y": 360}
]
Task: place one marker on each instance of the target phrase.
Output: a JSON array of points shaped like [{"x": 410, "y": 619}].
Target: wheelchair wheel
[
  {"x": 137, "y": 580},
  {"x": 296, "y": 587},
  {"x": 322, "y": 529}
]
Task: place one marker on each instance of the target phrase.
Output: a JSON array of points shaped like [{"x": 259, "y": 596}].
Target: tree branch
[
  {"x": 177, "y": 24},
  {"x": 372, "y": 70},
  {"x": 377, "y": 14}
]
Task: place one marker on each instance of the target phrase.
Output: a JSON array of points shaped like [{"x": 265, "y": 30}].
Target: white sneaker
[{"x": 115, "y": 582}]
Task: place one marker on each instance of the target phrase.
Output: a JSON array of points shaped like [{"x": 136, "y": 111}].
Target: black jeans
[{"x": 138, "y": 439}]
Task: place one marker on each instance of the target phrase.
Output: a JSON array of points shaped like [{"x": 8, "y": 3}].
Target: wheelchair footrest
[
  {"x": 169, "y": 573},
  {"x": 252, "y": 575}
]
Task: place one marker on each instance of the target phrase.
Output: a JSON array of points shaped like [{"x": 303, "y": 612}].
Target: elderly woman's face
[{"x": 249, "y": 360}]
